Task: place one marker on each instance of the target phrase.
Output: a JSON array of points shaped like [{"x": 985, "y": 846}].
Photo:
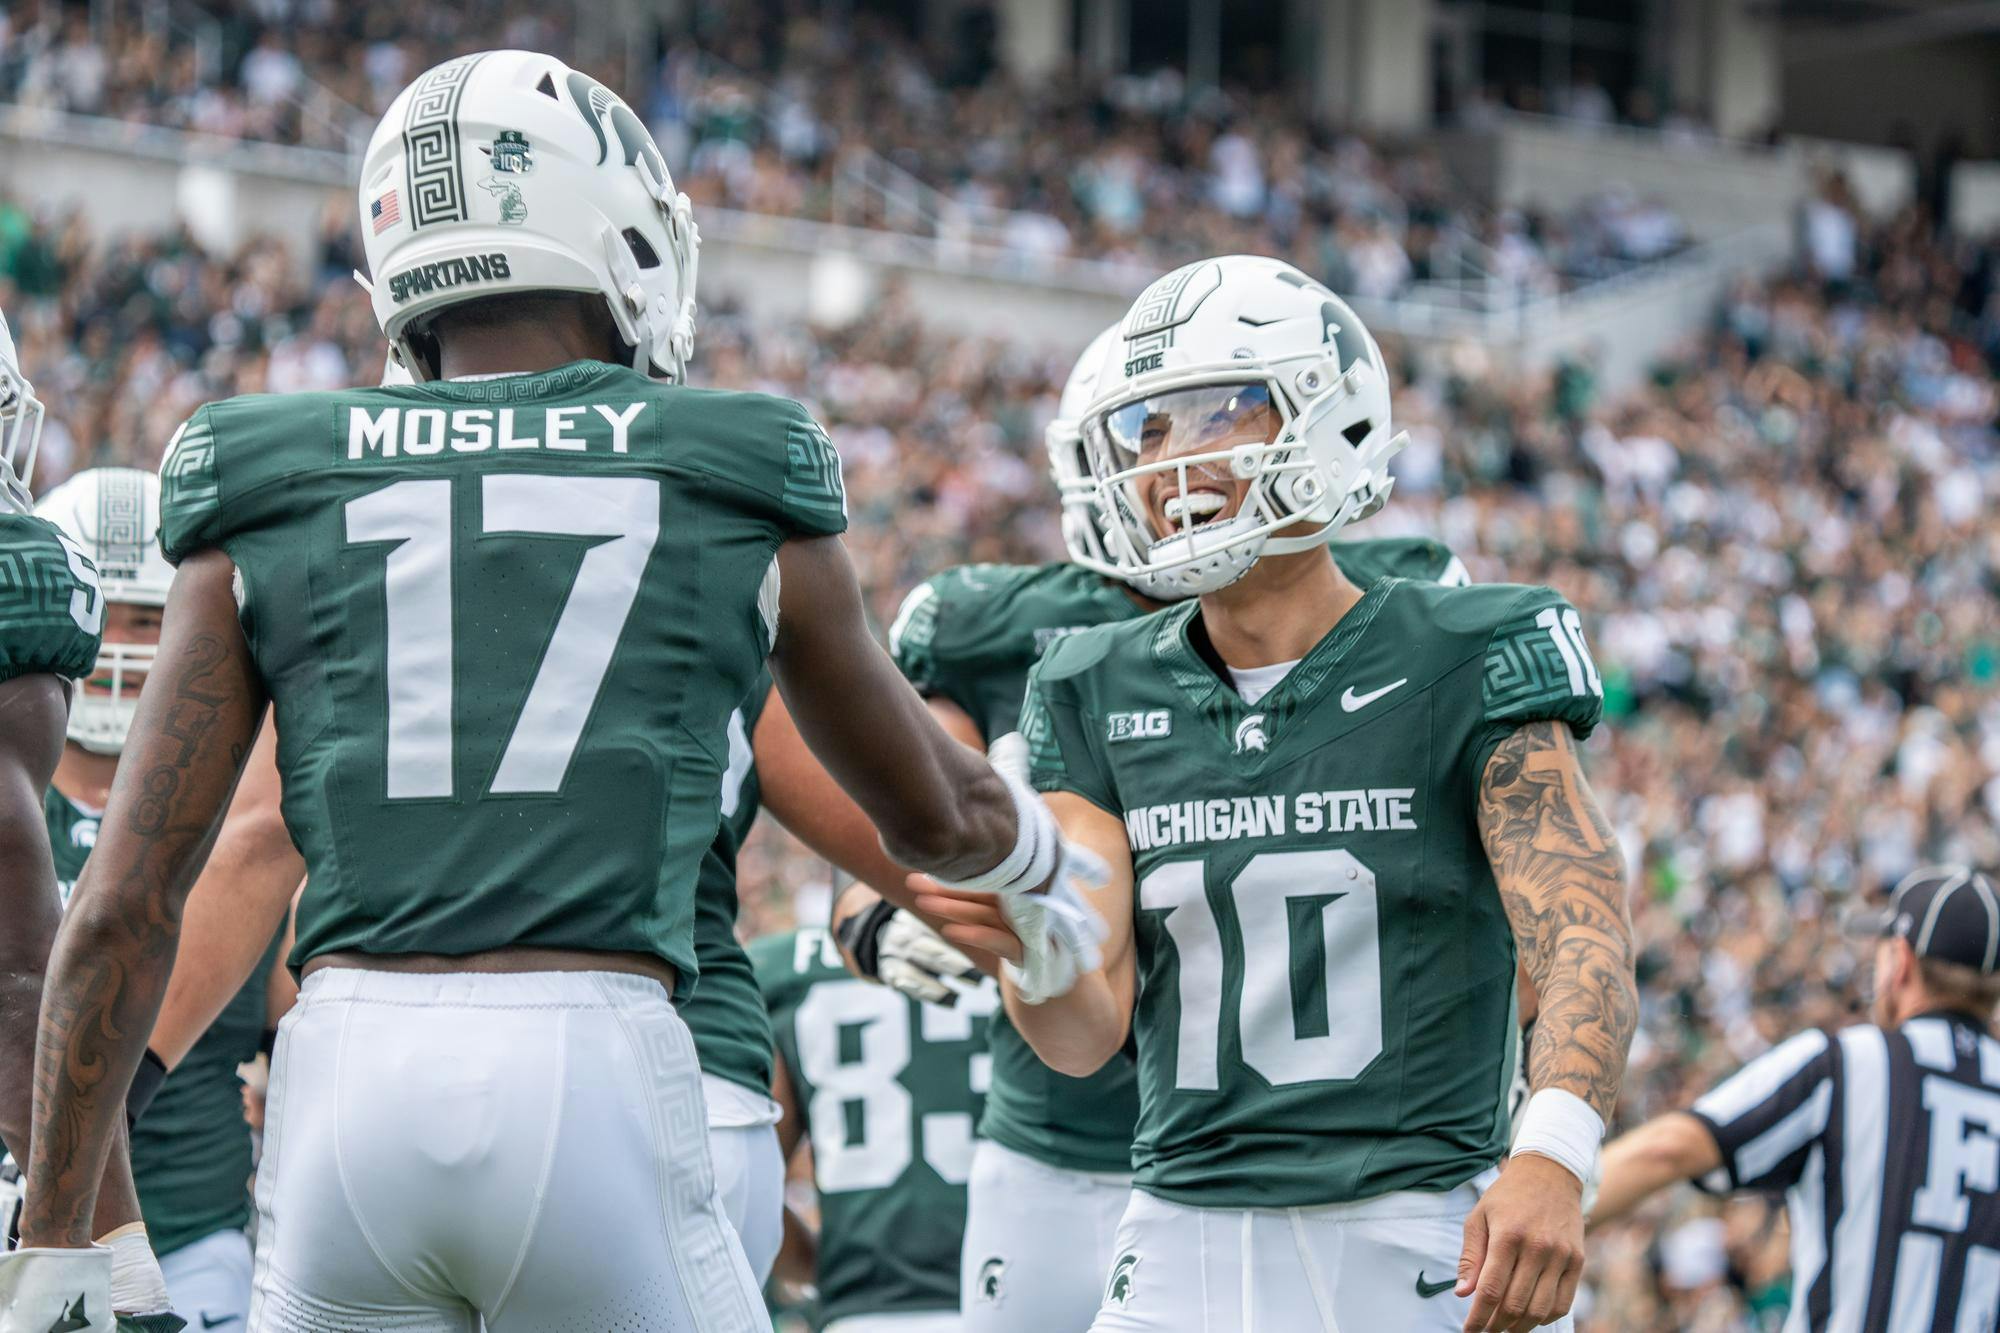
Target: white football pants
[
  {"x": 526, "y": 1153},
  {"x": 913, "y": 1321},
  {"x": 749, "y": 1168},
  {"x": 208, "y": 1281},
  {"x": 1382, "y": 1264},
  {"x": 1038, "y": 1243}
]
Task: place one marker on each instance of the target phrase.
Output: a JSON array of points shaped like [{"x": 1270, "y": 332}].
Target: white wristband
[
  {"x": 1562, "y": 1127},
  {"x": 137, "y": 1285},
  {"x": 1036, "y": 843}
]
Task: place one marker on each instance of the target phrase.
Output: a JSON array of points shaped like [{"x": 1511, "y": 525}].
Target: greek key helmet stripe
[{"x": 435, "y": 179}]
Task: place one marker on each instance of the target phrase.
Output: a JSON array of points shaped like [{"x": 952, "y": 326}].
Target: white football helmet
[
  {"x": 508, "y": 171},
  {"x": 113, "y": 514},
  {"x": 20, "y": 426},
  {"x": 1242, "y": 369},
  {"x": 1069, "y": 465}
]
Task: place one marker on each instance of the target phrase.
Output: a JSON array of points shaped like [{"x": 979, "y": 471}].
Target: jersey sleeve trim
[
  {"x": 1766, "y": 1116},
  {"x": 814, "y": 496},
  {"x": 1058, "y": 734}
]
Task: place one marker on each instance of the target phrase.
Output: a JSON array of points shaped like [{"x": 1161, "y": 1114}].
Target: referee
[{"x": 1885, "y": 1137}]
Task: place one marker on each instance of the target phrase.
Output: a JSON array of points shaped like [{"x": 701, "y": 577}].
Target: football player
[
  {"x": 1333, "y": 815},
  {"x": 191, "y": 1148},
  {"x": 887, "y": 1091},
  {"x": 502, "y": 617},
  {"x": 1052, "y": 1172},
  {"x": 52, "y": 616}
]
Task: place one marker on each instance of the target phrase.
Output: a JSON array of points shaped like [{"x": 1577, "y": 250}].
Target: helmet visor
[{"x": 1209, "y": 418}]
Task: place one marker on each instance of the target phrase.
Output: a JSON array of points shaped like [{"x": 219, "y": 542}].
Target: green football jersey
[
  {"x": 191, "y": 1154},
  {"x": 1329, "y": 832},
  {"x": 971, "y": 635},
  {"x": 726, "y": 1014},
  {"x": 51, "y": 612},
  {"x": 503, "y": 623},
  {"x": 891, "y": 1090}
]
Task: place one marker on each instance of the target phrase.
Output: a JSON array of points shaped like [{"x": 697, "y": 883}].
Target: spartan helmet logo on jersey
[
  {"x": 20, "y": 426},
  {"x": 1250, "y": 738},
  {"x": 1242, "y": 411},
  {"x": 1124, "y": 1275},
  {"x": 113, "y": 515},
  {"x": 991, "y": 1290},
  {"x": 580, "y": 200}
]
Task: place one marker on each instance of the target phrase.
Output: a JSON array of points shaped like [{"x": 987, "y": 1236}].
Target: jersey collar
[{"x": 1191, "y": 673}]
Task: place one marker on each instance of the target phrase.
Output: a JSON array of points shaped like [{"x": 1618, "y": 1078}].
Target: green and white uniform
[
  {"x": 890, "y": 1090},
  {"x": 504, "y": 624},
  {"x": 732, "y": 1030},
  {"x": 51, "y": 621},
  {"x": 51, "y": 612},
  {"x": 1054, "y": 1164},
  {"x": 1328, "y": 831}
]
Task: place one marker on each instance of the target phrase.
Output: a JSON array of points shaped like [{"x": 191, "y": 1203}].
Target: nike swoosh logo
[
  {"x": 1350, "y": 702},
  {"x": 1430, "y": 1289},
  {"x": 206, "y": 1322}
]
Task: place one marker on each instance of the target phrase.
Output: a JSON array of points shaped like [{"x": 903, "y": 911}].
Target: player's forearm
[
  {"x": 1662, "y": 1152},
  {"x": 937, "y": 806},
  {"x": 1562, "y": 880},
  {"x": 235, "y": 908},
  {"x": 20, "y": 1001},
  {"x": 1075, "y": 1033},
  {"x": 196, "y": 720}
]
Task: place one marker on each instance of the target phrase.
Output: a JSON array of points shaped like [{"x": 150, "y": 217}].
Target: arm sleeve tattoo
[{"x": 1562, "y": 880}]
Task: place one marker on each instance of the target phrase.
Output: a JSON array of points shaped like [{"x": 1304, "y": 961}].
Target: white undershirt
[{"x": 1253, "y": 683}]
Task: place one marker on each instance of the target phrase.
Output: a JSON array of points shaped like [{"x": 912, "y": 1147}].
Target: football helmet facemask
[
  {"x": 20, "y": 426},
  {"x": 1232, "y": 374}
]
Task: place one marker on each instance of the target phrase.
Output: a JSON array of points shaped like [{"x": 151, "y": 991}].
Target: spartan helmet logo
[
  {"x": 989, "y": 1288},
  {"x": 1120, "y": 1290},
  {"x": 1250, "y": 735}
]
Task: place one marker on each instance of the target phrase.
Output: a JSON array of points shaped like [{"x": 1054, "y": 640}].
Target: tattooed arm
[
  {"x": 32, "y": 710},
  {"x": 197, "y": 717},
  {"x": 1562, "y": 880}
]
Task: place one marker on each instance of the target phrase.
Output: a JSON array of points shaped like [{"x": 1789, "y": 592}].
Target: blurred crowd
[
  {"x": 850, "y": 121},
  {"x": 1782, "y": 546}
]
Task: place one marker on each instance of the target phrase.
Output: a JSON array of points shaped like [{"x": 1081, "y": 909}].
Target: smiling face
[{"x": 1196, "y": 428}]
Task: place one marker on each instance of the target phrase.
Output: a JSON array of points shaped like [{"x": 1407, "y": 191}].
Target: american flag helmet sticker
[{"x": 385, "y": 212}]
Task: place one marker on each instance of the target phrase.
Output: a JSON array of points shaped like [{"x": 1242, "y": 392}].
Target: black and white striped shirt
[{"x": 1888, "y": 1145}]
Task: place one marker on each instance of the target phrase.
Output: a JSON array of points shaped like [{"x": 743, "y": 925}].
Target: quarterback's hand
[
  {"x": 1058, "y": 928},
  {"x": 890, "y": 945},
  {"x": 1523, "y": 1252}
]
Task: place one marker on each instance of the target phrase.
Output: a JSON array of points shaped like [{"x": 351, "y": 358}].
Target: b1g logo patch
[
  {"x": 1144, "y": 725},
  {"x": 1123, "y": 1285},
  {"x": 989, "y": 1287}
]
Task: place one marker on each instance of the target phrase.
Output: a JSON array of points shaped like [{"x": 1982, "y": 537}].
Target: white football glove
[
  {"x": 1059, "y": 930},
  {"x": 919, "y": 962},
  {"x": 56, "y": 1291},
  {"x": 11, "y": 1196}
]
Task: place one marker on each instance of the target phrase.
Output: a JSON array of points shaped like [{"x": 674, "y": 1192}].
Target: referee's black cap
[{"x": 1946, "y": 912}]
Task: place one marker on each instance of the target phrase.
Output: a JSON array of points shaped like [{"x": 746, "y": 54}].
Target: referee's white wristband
[
  {"x": 1037, "y": 841},
  {"x": 1562, "y": 1126}
]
